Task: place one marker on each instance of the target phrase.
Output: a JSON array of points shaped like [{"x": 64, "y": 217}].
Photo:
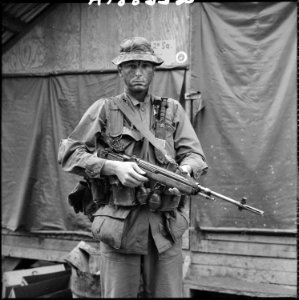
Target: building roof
[{"x": 19, "y": 18}]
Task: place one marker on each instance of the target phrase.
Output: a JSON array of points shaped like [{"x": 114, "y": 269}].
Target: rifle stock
[{"x": 184, "y": 183}]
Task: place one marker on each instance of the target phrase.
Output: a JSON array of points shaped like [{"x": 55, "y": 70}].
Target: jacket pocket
[
  {"x": 108, "y": 225},
  {"x": 125, "y": 139},
  {"x": 176, "y": 223}
]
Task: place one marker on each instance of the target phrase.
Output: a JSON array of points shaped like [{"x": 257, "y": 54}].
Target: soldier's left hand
[
  {"x": 187, "y": 169},
  {"x": 174, "y": 191}
]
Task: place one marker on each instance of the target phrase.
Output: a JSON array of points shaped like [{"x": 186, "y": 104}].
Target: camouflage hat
[{"x": 136, "y": 48}]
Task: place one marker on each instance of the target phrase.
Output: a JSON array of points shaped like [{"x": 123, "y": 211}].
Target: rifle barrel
[{"x": 225, "y": 198}]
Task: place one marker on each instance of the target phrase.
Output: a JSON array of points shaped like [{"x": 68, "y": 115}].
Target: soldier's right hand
[{"x": 128, "y": 173}]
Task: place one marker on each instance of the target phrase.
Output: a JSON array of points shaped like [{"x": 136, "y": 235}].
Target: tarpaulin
[
  {"x": 36, "y": 113},
  {"x": 244, "y": 65}
]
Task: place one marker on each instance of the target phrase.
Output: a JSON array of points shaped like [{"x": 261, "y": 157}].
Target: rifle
[{"x": 183, "y": 182}]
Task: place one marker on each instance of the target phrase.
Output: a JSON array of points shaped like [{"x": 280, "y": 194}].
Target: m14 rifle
[{"x": 182, "y": 181}]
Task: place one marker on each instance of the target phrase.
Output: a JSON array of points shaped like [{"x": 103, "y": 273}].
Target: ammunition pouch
[
  {"x": 170, "y": 202},
  {"x": 156, "y": 199},
  {"x": 121, "y": 195}
]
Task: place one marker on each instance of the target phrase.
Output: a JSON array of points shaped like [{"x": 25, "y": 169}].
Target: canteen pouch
[{"x": 108, "y": 225}]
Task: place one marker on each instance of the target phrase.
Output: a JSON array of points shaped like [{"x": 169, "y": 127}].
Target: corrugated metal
[
  {"x": 24, "y": 12},
  {"x": 17, "y": 18}
]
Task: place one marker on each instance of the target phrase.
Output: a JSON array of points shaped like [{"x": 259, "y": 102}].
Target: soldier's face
[{"x": 137, "y": 75}]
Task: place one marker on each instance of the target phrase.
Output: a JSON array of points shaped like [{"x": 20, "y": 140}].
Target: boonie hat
[{"x": 136, "y": 48}]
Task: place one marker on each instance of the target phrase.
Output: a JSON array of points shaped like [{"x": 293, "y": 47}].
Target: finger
[
  {"x": 131, "y": 181},
  {"x": 137, "y": 175},
  {"x": 174, "y": 191},
  {"x": 138, "y": 169}
]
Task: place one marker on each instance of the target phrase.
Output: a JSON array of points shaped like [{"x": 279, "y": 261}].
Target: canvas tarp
[
  {"x": 243, "y": 62},
  {"x": 244, "y": 65},
  {"x": 36, "y": 113}
]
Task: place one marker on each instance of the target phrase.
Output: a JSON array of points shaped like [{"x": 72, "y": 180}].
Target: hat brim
[{"x": 123, "y": 57}]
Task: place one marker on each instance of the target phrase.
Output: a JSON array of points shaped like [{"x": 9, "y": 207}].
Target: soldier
[{"x": 140, "y": 242}]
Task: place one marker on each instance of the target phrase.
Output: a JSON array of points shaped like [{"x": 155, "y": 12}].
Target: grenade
[{"x": 154, "y": 201}]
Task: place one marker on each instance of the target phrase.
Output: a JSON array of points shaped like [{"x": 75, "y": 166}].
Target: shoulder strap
[{"x": 140, "y": 126}]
